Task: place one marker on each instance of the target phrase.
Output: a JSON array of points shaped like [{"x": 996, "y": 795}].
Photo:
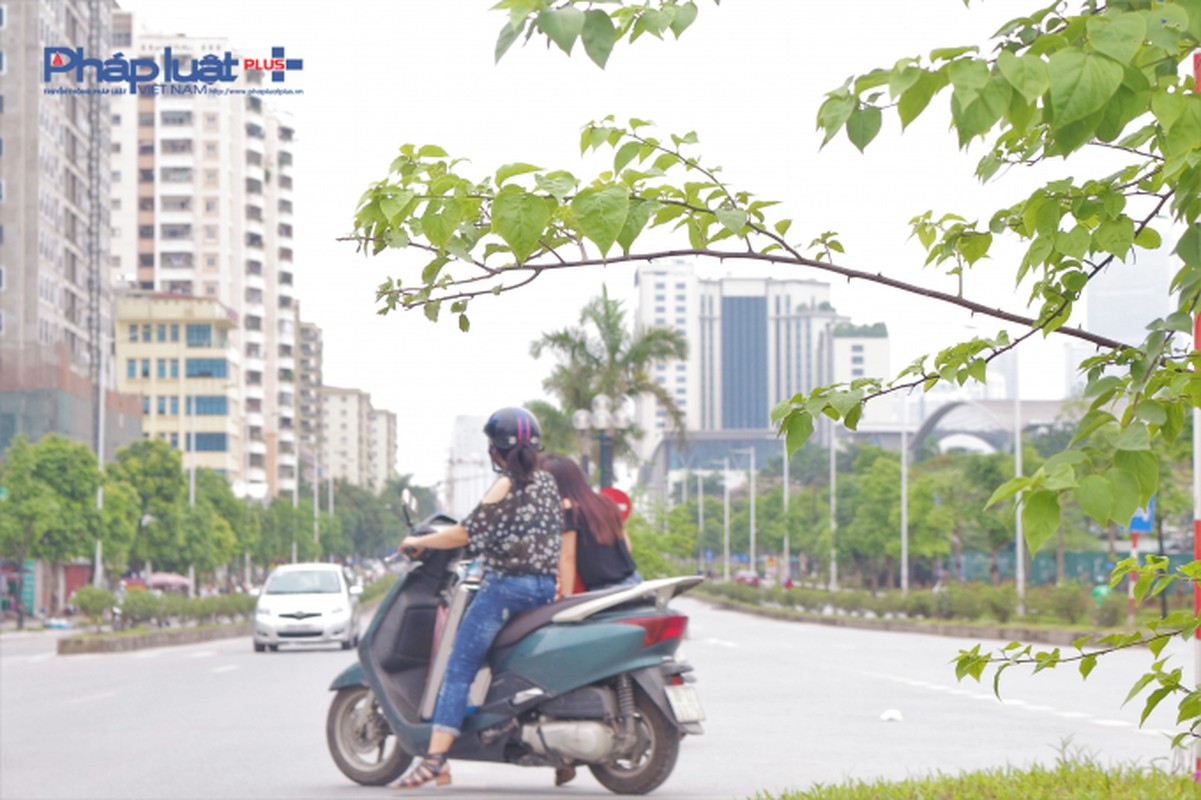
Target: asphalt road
[{"x": 788, "y": 705}]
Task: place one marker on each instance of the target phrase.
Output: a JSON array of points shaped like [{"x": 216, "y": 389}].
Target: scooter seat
[{"x": 532, "y": 619}]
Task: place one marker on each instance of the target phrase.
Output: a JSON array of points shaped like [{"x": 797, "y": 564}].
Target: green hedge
[
  {"x": 1066, "y": 780},
  {"x": 1070, "y": 604},
  {"x": 140, "y": 607}
]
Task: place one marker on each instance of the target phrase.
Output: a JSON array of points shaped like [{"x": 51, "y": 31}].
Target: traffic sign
[{"x": 1143, "y": 520}]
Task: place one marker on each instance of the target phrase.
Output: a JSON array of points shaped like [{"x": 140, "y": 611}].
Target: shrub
[
  {"x": 966, "y": 601},
  {"x": 140, "y": 606},
  {"x": 1070, "y": 601},
  {"x": 920, "y": 604},
  {"x": 94, "y": 602},
  {"x": 1001, "y": 601},
  {"x": 1111, "y": 612}
]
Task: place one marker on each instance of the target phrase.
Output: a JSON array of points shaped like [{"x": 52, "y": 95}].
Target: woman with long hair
[
  {"x": 595, "y": 547},
  {"x": 516, "y": 532}
]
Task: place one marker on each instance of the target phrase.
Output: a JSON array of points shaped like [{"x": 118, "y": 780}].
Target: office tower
[
  {"x": 752, "y": 342},
  {"x": 202, "y": 207},
  {"x": 381, "y": 449},
  {"x": 311, "y": 377},
  {"x": 56, "y": 325}
]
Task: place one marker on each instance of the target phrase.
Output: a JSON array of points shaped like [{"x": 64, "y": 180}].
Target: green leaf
[
  {"x": 601, "y": 214},
  {"x": 520, "y": 218},
  {"x": 508, "y": 35},
  {"x": 1081, "y": 85},
  {"x": 1134, "y": 437},
  {"x": 863, "y": 125},
  {"x": 625, "y": 154},
  {"x": 557, "y": 184},
  {"x": 685, "y": 15},
  {"x": 464, "y": 323},
  {"x": 431, "y": 151},
  {"x": 1189, "y": 246},
  {"x": 1073, "y": 243},
  {"x": 1028, "y": 74},
  {"x": 562, "y": 25},
  {"x": 510, "y": 170},
  {"x": 639, "y": 213},
  {"x": 1115, "y": 236},
  {"x": 1087, "y": 664},
  {"x": 598, "y": 36},
  {"x": 1008, "y": 490},
  {"x": 1118, "y": 37},
  {"x": 1126, "y": 493},
  {"x": 732, "y": 219},
  {"x": 974, "y": 246},
  {"x": 1151, "y": 411},
  {"x": 1040, "y": 518},
  {"x": 800, "y": 428},
  {"x": 1093, "y": 493},
  {"x": 915, "y": 99}
]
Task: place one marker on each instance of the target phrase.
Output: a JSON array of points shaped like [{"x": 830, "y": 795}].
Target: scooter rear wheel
[
  {"x": 360, "y": 740},
  {"x": 654, "y": 756}
]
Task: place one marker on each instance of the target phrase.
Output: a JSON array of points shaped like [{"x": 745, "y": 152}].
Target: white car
[{"x": 307, "y": 604}]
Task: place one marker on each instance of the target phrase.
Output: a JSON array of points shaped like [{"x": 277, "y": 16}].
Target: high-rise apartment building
[
  {"x": 56, "y": 325},
  {"x": 358, "y": 441},
  {"x": 310, "y": 371},
  {"x": 752, "y": 342},
  {"x": 178, "y": 353},
  {"x": 202, "y": 207}
]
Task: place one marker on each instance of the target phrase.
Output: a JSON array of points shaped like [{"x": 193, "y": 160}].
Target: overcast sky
[{"x": 748, "y": 77}]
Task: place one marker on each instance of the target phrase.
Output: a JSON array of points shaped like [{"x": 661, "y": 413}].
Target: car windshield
[{"x": 314, "y": 582}]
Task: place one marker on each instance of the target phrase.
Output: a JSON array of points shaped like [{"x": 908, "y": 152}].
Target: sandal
[
  {"x": 564, "y": 775},
  {"x": 432, "y": 768}
]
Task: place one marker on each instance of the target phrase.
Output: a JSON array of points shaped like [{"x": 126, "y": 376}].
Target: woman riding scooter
[{"x": 515, "y": 531}]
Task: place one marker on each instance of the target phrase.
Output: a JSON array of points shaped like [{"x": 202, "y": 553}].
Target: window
[
  {"x": 856, "y": 359},
  {"x": 145, "y": 368},
  {"x": 146, "y": 333},
  {"x": 162, "y": 370},
  {"x": 175, "y": 333},
  {"x": 131, "y": 368},
  {"x": 174, "y": 368},
  {"x": 161, "y": 405},
  {"x": 145, "y": 404},
  {"x": 200, "y": 335},
  {"x": 2, "y": 279},
  {"x": 162, "y": 333},
  {"x": 175, "y": 402},
  {"x": 176, "y": 118},
  {"x": 210, "y": 443},
  {"x": 208, "y": 405},
  {"x": 206, "y": 368},
  {"x": 133, "y": 333}
]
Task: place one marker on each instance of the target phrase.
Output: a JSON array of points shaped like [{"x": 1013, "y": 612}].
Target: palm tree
[{"x": 601, "y": 356}]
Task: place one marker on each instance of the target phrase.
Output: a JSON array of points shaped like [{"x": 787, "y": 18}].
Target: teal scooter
[{"x": 590, "y": 680}]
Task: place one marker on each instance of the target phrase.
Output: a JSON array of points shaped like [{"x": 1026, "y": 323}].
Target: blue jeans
[{"x": 499, "y": 599}]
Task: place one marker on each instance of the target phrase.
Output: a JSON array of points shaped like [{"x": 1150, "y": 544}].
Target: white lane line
[
  {"x": 89, "y": 698},
  {"x": 40, "y": 658},
  {"x": 203, "y": 654},
  {"x": 1071, "y": 714},
  {"x": 150, "y": 653},
  {"x": 1018, "y": 703},
  {"x": 1036, "y": 707},
  {"x": 719, "y": 642},
  {"x": 225, "y": 668},
  {"x": 1112, "y": 723}
]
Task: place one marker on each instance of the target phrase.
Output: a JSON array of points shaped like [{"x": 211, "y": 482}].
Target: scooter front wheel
[
  {"x": 653, "y": 757},
  {"x": 360, "y": 740}
]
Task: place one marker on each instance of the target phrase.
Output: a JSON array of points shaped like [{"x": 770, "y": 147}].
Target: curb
[
  {"x": 74, "y": 645},
  {"x": 1058, "y": 637}
]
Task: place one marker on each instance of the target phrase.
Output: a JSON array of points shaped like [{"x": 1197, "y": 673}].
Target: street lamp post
[
  {"x": 700, "y": 521},
  {"x": 605, "y": 422},
  {"x": 751, "y": 451},
  {"x": 725, "y": 483}
]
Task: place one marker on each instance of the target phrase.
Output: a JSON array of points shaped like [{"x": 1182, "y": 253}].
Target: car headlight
[
  {"x": 336, "y": 612},
  {"x": 262, "y": 611}
]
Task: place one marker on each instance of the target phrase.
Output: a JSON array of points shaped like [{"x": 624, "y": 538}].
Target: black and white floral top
[{"x": 521, "y": 534}]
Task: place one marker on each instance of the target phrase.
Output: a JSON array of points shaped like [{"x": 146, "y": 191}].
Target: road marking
[
  {"x": 89, "y": 698},
  {"x": 1036, "y": 707},
  {"x": 1112, "y": 723},
  {"x": 148, "y": 654},
  {"x": 203, "y": 654},
  {"x": 40, "y": 658},
  {"x": 225, "y": 668},
  {"x": 719, "y": 642},
  {"x": 1071, "y": 714}
]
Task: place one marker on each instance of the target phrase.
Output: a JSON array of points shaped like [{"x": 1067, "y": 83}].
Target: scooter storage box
[{"x": 590, "y": 702}]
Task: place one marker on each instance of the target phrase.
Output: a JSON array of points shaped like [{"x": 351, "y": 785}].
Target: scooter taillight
[{"x": 659, "y": 629}]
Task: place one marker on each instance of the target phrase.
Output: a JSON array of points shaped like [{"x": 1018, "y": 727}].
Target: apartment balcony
[
  {"x": 256, "y": 447},
  {"x": 255, "y": 392},
  {"x": 287, "y": 435},
  {"x": 256, "y": 475},
  {"x": 285, "y": 362},
  {"x": 254, "y": 419}
]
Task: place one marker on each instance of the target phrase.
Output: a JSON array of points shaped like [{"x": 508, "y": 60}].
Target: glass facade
[{"x": 744, "y": 379}]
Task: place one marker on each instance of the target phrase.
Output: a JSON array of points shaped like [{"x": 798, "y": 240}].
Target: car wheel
[
  {"x": 258, "y": 648},
  {"x": 274, "y": 648}
]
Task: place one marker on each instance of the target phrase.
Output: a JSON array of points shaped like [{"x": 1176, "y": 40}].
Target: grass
[{"x": 1083, "y": 780}]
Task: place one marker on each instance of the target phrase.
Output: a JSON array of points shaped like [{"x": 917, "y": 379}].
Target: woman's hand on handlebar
[{"x": 411, "y": 546}]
